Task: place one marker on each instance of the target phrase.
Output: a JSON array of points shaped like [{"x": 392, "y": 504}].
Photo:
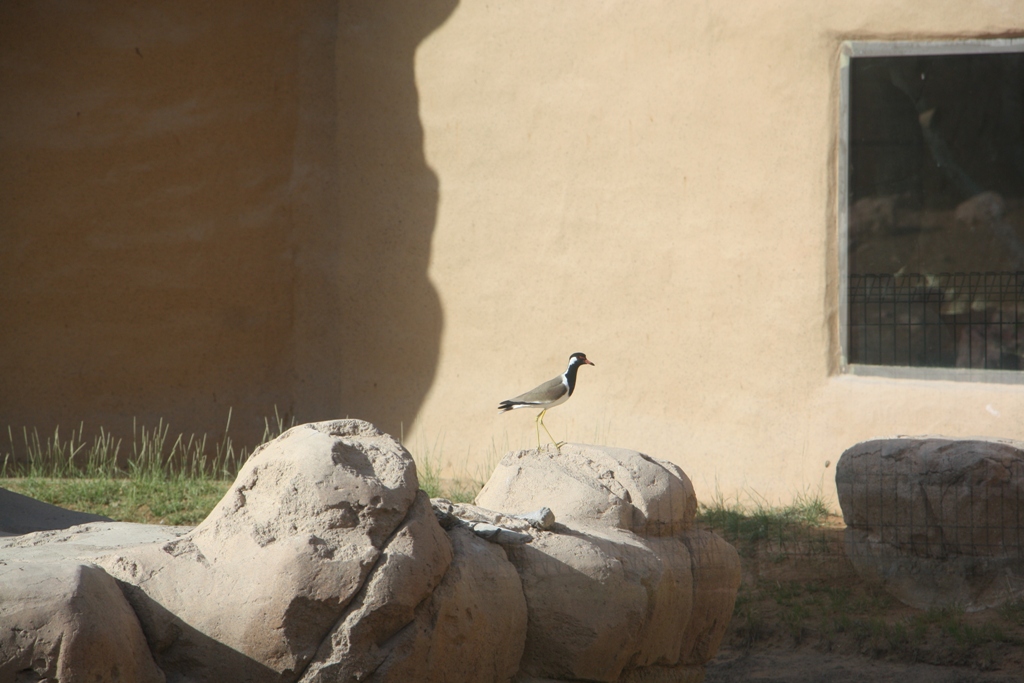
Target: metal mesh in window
[{"x": 949, "y": 320}]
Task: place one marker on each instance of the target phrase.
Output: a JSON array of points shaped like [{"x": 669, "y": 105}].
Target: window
[{"x": 931, "y": 209}]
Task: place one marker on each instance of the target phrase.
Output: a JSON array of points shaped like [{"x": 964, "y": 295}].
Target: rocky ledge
[{"x": 325, "y": 562}]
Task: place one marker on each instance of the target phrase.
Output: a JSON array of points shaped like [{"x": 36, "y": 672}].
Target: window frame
[{"x": 851, "y": 49}]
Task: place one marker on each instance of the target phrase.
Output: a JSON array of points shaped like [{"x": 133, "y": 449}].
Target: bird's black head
[{"x": 579, "y": 359}]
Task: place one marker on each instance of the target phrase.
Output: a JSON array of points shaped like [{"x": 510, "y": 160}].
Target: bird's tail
[{"x": 506, "y": 406}]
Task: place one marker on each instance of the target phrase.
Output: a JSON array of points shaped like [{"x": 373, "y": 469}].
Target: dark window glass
[{"x": 935, "y": 218}]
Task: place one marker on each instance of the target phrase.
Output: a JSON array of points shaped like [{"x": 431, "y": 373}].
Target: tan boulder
[
  {"x": 716, "y": 579},
  {"x": 936, "y": 520},
  {"x": 252, "y": 591},
  {"x": 63, "y": 617},
  {"x": 84, "y": 542},
  {"x": 961, "y": 581},
  {"x": 325, "y": 563},
  {"x": 410, "y": 568},
  {"x": 615, "y": 486},
  {"x": 622, "y": 588},
  {"x": 473, "y": 627},
  {"x": 601, "y": 599},
  {"x": 69, "y": 622}
]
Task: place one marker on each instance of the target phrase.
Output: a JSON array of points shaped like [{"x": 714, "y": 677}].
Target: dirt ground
[
  {"x": 803, "y": 615},
  {"x": 809, "y": 666}
]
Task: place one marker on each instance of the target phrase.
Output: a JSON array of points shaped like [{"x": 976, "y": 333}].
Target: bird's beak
[{"x": 589, "y": 363}]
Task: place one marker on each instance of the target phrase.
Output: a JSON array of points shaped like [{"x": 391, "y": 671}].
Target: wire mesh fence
[
  {"x": 774, "y": 533},
  {"x": 964, "y": 320},
  {"x": 936, "y": 514},
  {"x": 944, "y": 506}
]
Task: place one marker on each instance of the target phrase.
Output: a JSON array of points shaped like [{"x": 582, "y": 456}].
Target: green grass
[
  {"x": 800, "y": 590},
  {"x": 153, "y": 479},
  {"x": 460, "y": 486},
  {"x": 939, "y": 636},
  {"x": 1013, "y": 611},
  {"x": 786, "y": 528},
  {"x": 174, "y": 501},
  {"x": 158, "y": 479},
  {"x": 754, "y": 521},
  {"x": 152, "y": 454}
]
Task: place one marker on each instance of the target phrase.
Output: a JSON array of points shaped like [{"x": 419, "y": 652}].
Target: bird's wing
[{"x": 551, "y": 390}]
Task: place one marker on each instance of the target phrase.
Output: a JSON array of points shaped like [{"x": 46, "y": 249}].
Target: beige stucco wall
[
  {"x": 408, "y": 214},
  {"x": 208, "y": 207},
  {"x": 147, "y": 167},
  {"x": 653, "y": 183}
]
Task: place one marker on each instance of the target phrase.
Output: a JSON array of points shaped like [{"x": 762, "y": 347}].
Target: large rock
[
  {"x": 472, "y": 629},
  {"x": 611, "y": 486},
  {"x": 63, "y": 618},
  {"x": 716, "y": 578},
  {"x": 601, "y": 599},
  {"x": 324, "y": 562},
  {"x": 410, "y": 568},
  {"x": 624, "y": 589},
  {"x": 85, "y": 542},
  {"x": 252, "y": 591},
  {"x": 69, "y": 622},
  {"x": 937, "y": 521}
]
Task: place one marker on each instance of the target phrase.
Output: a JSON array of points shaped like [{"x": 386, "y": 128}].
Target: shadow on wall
[
  {"x": 206, "y": 207},
  {"x": 387, "y": 330}
]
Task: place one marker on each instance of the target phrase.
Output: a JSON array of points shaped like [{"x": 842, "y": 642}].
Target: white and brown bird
[{"x": 548, "y": 395}]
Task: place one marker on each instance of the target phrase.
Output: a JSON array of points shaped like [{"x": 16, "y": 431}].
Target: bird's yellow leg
[{"x": 540, "y": 421}]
